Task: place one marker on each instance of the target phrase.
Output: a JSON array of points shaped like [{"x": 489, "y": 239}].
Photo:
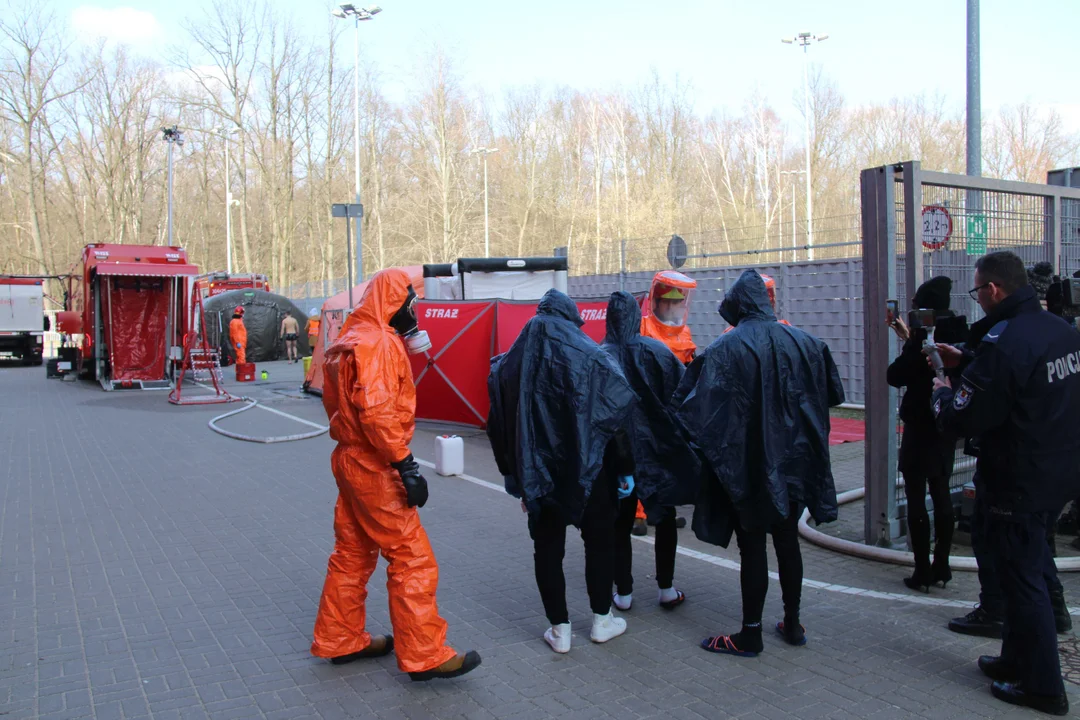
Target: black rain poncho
[
  {"x": 756, "y": 403},
  {"x": 557, "y": 399},
  {"x": 667, "y": 470}
]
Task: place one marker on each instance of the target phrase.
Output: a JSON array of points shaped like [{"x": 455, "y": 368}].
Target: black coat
[
  {"x": 668, "y": 470},
  {"x": 756, "y": 404},
  {"x": 1020, "y": 397},
  {"x": 557, "y": 402},
  {"x": 924, "y": 450}
]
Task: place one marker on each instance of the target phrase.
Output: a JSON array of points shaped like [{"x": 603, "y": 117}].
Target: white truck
[{"x": 22, "y": 319}]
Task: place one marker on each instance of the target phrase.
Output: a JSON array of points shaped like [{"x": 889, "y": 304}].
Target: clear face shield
[{"x": 670, "y": 304}]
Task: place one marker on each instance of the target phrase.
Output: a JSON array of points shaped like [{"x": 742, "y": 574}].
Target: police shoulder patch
[
  {"x": 994, "y": 334},
  {"x": 963, "y": 396}
]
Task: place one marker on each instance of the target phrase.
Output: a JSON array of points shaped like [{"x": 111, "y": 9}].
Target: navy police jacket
[{"x": 1020, "y": 396}]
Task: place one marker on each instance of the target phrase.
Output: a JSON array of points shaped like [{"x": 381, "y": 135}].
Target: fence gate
[{"x": 918, "y": 224}]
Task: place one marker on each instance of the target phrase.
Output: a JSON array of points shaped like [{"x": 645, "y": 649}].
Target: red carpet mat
[{"x": 846, "y": 430}]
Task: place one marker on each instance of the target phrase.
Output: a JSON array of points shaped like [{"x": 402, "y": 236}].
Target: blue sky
[{"x": 724, "y": 49}]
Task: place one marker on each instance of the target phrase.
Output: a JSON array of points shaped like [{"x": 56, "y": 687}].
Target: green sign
[{"x": 977, "y": 229}]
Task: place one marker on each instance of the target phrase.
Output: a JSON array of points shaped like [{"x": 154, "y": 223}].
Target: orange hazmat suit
[
  {"x": 673, "y": 287},
  {"x": 370, "y": 399},
  {"x": 238, "y": 337}
]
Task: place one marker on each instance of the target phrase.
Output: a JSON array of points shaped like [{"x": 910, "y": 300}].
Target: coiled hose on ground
[{"x": 320, "y": 429}]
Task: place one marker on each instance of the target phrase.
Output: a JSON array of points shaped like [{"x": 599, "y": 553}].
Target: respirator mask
[{"x": 404, "y": 324}]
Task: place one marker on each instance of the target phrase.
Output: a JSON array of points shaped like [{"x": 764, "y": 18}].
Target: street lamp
[
  {"x": 344, "y": 11},
  {"x": 224, "y": 133},
  {"x": 485, "y": 152},
  {"x": 174, "y": 137},
  {"x": 804, "y": 39}
]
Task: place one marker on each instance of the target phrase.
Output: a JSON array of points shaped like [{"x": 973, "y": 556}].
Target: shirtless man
[{"x": 290, "y": 330}]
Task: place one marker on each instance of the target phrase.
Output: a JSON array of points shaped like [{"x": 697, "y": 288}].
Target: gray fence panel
[{"x": 823, "y": 298}]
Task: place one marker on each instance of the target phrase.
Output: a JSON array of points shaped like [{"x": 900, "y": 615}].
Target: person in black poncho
[
  {"x": 667, "y": 469},
  {"x": 558, "y": 408},
  {"x": 756, "y": 404}
]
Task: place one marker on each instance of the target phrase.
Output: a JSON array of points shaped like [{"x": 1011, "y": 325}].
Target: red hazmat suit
[
  {"x": 238, "y": 337},
  {"x": 666, "y": 312},
  {"x": 370, "y": 398}
]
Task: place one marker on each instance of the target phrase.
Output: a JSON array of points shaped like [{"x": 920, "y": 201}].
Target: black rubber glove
[{"x": 416, "y": 491}]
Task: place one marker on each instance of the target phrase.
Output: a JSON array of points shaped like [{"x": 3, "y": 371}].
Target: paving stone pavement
[{"x": 150, "y": 568}]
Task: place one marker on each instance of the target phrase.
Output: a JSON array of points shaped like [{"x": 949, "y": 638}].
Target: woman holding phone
[{"x": 926, "y": 457}]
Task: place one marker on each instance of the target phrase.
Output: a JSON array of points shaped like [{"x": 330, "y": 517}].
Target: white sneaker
[
  {"x": 558, "y": 637},
  {"x": 606, "y": 627}
]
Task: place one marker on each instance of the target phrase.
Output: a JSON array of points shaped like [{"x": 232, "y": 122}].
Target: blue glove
[{"x": 626, "y": 486}]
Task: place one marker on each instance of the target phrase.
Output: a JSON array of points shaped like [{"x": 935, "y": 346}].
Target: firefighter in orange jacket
[
  {"x": 238, "y": 334},
  {"x": 770, "y": 288},
  {"x": 666, "y": 312},
  {"x": 313, "y": 328},
  {"x": 370, "y": 399}
]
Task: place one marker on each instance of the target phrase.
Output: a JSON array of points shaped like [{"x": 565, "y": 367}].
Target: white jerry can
[{"x": 449, "y": 455}]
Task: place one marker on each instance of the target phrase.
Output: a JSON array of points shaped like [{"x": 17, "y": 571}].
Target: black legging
[
  {"x": 548, "y": 531},
  {"x": 667, "y": 540},
  {"x": 754, "y": 574},
  {"x": 918, "y": 520}
]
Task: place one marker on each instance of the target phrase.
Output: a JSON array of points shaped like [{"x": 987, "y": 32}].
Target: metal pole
[
  {"x": 487, "y": 242},
  {"x": 170, "y": 193},
  {"x": 974, "y": 101},
  {"x": 794, "y": 222},
  {"x": 228, "y": 212},
  {"x": 809, "y": 196},
  {"x": 356, "y": 149},
  {"x": 348, "y": 260}
]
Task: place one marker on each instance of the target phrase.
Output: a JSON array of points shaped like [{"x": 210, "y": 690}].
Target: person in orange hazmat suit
[
  {"x": 370, "y": 399},
  {"x": 238, "y": 334},
  {"x": 770, "y": 288},
  {"x": 666, "y": 312}
]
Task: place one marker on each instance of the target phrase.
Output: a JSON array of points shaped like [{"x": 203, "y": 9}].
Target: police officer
[{"x": 1020, "y": 396}]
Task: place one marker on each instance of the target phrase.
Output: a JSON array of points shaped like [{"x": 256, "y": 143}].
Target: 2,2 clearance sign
[{"x": 937, "y": 227}]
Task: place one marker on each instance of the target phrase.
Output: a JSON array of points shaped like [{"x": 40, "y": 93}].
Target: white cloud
[{"x": 124, "y": 25}]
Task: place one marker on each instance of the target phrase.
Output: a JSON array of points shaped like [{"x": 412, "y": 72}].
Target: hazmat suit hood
[
  {"x": 557, "y": 400},
  {"x": 756, "y": 403},
  {"x": 382, "y": 298},
  {"x": 668, "y": 470},
  {"x": 747, "y": 298}
]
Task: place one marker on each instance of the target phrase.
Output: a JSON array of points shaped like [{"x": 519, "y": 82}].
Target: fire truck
[{"x": 216, "y": 283}]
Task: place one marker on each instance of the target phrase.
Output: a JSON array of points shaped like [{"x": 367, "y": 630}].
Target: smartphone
[
  {"x": 921, "y": 318},
  {"x": 892, "y": 311}
]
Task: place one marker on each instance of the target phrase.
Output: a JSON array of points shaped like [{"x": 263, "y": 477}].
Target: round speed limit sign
[{"x": 936, "y": 227}]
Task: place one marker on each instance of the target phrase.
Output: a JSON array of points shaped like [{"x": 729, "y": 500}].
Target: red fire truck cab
[{"x": 215, "y": 283}]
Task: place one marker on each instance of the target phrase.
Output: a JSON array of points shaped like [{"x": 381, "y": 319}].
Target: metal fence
[
  {"x": 833, "y": 238},
  {"x": 823, "y": 297},
  {"x": 901, "y": 250}
]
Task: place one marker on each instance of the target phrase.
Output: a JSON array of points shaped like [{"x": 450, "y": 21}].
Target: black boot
[
  {"x": 919, "y": 538},
  {"x": 1015, "y": 694},
  {"x": 1062, "y": 618},
  {"x": 943, "y": 534},
  {"x": 977, "y": 622}
]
